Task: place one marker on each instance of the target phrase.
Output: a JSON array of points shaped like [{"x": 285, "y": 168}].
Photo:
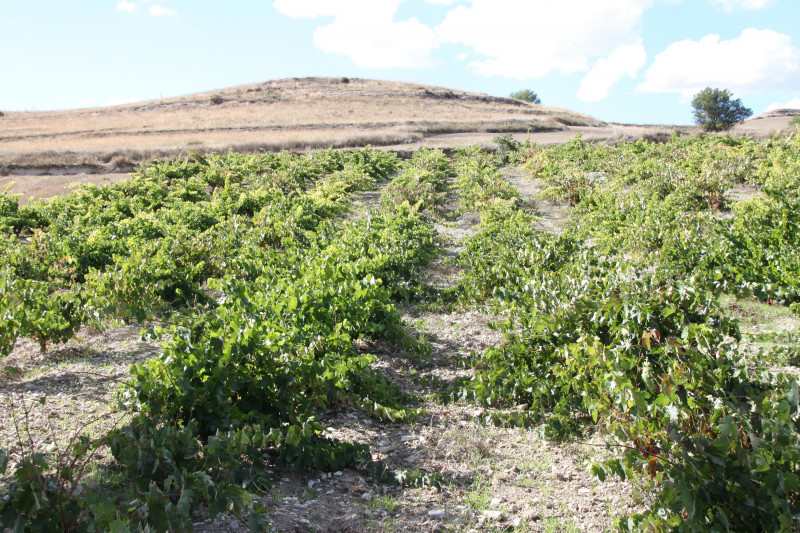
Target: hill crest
[{"x": 294, "y": 114}]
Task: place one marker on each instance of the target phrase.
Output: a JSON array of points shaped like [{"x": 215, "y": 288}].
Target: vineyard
[{"x": 272, "y": 286}]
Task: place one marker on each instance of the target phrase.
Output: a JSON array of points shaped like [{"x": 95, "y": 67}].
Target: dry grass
[{"x": 294, "y": 114}]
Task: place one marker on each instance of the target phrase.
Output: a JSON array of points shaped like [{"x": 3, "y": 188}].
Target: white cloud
[
  {"x": 730, "y": 5},
  {"x": 755, "y": 62},
  {"x": 159, "y": 11},
  {"x": 533, "y": 38},
  {"x": 510, "y": 38},
  {"x": 367, "y": 32},
  {"x": 794, "y": 103},
  {"x": 627, "y": 59},
  {"x": 123, "y": 5}
]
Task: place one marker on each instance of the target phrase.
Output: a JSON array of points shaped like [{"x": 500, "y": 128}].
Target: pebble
[
  {"x": 405, "y": 438},
  {"x": 366, "y": 497},
  {"x": 532, "y": 516},
  {"x": 495, "y": 503},
  {"x": 436, "y": 513},
  {"x": 493, "y": 515},
  {"x": 550, "y": 504},
  {"x": 329, "y": 492},
  {"x": 516, "y": 522},
  {"x": 337, "y": 473},
  {"x": 514, "y": 508},
  {"x": 311, "y": 484}
]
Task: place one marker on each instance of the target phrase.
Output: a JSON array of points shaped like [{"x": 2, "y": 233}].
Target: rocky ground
[{"x": 495, "y": 478}]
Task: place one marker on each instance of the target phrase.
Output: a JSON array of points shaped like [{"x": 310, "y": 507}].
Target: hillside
[
  {"x": 293, "y": 114},
  {"x": 766, "y": 124}
]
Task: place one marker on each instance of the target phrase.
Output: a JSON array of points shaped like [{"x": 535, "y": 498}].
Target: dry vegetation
[{"x": 292, "y": 114}]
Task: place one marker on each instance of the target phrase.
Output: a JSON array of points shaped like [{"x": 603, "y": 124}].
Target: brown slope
[
  {"x": 294, "y": 114},
  {"x": 767, "y": 124}
]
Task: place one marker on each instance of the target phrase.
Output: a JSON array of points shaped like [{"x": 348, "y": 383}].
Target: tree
[
  {"x": 526, "y": 95},
  {"x": 714, "y": 109}
]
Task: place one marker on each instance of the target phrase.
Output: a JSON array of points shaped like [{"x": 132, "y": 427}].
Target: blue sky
[{"x": 633, "y": 61}]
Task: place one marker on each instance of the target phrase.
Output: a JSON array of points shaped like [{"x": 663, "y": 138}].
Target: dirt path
[
  {"x": 496, "y": 479},
  {"x": 553, "y": 216},
  {"x": 38, "y": 187}
]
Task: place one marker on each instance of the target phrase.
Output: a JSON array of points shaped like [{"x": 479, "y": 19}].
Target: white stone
[{"x": 493, "y": 515}]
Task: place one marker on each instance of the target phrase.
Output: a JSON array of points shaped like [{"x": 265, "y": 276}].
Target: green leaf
[
  {"x": 686, "y": 495},
  {"x": 185, "y": 502},
  {"x": 792, "y": 395},
  {"x": 598, "y": 471}
]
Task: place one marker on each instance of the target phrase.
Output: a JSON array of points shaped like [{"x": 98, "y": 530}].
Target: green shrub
[
  {"x": 714, "y": 109},
  {"x": 526, "y": 95}
]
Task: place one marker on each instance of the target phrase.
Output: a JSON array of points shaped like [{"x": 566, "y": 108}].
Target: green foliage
[
  {"x": 795, "y": 121},
  {"x": 615, "y": 323},
  {"x": 715, "y": 110},
  {"x": 526, "y": 95},
  {"x": 422, "y": 182},
  {"x": 262, "y": 290},
  {"x": 479, "y": 182}
]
